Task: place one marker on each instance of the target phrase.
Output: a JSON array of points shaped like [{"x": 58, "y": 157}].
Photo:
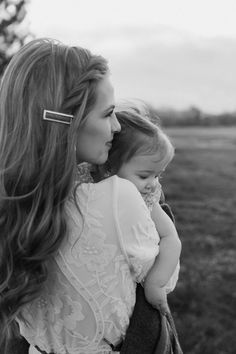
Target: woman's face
[{"x": 96, "y": 133}]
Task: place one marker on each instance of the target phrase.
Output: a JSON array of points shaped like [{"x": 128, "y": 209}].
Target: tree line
[{"x": 195, "y": 117}]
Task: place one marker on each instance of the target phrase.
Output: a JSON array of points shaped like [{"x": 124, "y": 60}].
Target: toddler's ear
[{"x": 168, "y": 211}]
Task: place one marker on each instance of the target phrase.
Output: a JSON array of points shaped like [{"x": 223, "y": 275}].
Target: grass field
[{"x": 200, "y": 185}]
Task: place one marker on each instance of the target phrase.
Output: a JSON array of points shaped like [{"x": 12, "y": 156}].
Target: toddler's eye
[{"x": 142, "y": 177}]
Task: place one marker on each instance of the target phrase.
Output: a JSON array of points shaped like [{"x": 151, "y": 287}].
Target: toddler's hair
[{"x": 138, "y": 136}]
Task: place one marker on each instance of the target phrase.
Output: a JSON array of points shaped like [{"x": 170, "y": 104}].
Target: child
[{"x": 140, "y": 153}]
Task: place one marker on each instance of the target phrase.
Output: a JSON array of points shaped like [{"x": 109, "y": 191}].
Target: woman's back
[{"x": 89, "y": 295}]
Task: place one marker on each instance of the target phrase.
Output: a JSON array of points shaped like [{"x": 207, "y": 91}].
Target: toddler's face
[{"x": 142, "y": 171}]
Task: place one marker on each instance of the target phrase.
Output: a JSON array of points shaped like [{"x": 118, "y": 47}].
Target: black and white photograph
[{"x": 117, "y": 177}]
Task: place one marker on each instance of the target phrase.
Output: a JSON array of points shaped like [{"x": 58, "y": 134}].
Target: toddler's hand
[{"x": 156, "y": 296}]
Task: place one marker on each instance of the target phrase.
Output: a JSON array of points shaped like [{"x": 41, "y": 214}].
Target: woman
[{"x": 69, "y": 252}]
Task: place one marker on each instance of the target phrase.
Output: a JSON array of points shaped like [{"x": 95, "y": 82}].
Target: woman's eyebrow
[{"x": 108, "y": 109}]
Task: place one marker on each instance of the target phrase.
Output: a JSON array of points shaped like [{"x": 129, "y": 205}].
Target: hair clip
[{"x": 57, "y": 117}]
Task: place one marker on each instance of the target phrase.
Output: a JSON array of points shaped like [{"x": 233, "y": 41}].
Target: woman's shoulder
[
  {"x": 112, "y": 182},
  {"x": 121, "y": 188},
  {"x": 113, "y": 190},
  {"x": 129, "y": 200}
]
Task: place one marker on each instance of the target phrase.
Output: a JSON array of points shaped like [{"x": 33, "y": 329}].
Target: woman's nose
[{"x": 115, "y": 125}]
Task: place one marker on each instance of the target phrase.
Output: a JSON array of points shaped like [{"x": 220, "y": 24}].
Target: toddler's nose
[{"x": 151, "y": 186}]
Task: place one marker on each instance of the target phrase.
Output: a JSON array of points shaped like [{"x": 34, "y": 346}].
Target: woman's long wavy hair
[{"x": 38, "y": 161}]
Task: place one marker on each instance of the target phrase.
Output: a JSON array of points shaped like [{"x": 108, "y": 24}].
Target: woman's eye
[
  {"x": 142, "y": 177},
  {"x": 109, "y": 114}
]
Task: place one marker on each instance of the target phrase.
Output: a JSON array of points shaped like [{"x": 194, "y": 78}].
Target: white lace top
[{"x": 89, "y": 296}]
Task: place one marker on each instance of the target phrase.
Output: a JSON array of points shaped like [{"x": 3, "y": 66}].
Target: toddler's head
[{"x": 141, "y": 151}]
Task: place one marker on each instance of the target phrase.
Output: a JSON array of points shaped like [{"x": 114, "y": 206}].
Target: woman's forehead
[{"x": 105, "y": 94}]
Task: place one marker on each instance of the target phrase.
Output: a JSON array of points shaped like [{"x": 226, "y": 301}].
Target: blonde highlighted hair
[{"x": 38, "y": 162}]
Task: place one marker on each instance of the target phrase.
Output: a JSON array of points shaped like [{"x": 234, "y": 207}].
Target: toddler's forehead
[
  {"x": 146, "y": 161},
  {"x": 146, "y": 156}
]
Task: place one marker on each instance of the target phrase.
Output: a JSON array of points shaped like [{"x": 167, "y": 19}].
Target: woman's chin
[{"x": 102, "y": 159}]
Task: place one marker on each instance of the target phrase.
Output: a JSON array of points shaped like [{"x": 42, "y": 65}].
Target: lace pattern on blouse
[
  {"x": 89, "y": 296},
  {"x": 62, "y": 264}
]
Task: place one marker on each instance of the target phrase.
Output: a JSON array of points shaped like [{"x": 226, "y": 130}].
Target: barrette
[{"x": 57, "y": 117}]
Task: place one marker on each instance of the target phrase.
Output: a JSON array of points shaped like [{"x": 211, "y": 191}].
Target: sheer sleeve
[{"x": 138, "y": 236}]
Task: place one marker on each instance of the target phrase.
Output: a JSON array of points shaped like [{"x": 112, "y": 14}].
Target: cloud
[
  {"x": 165, "y": 65},
  {"x": 177, "y": 70}
]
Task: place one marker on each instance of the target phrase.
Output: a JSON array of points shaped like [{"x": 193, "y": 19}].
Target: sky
[{"x": 171, "y": 53}]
